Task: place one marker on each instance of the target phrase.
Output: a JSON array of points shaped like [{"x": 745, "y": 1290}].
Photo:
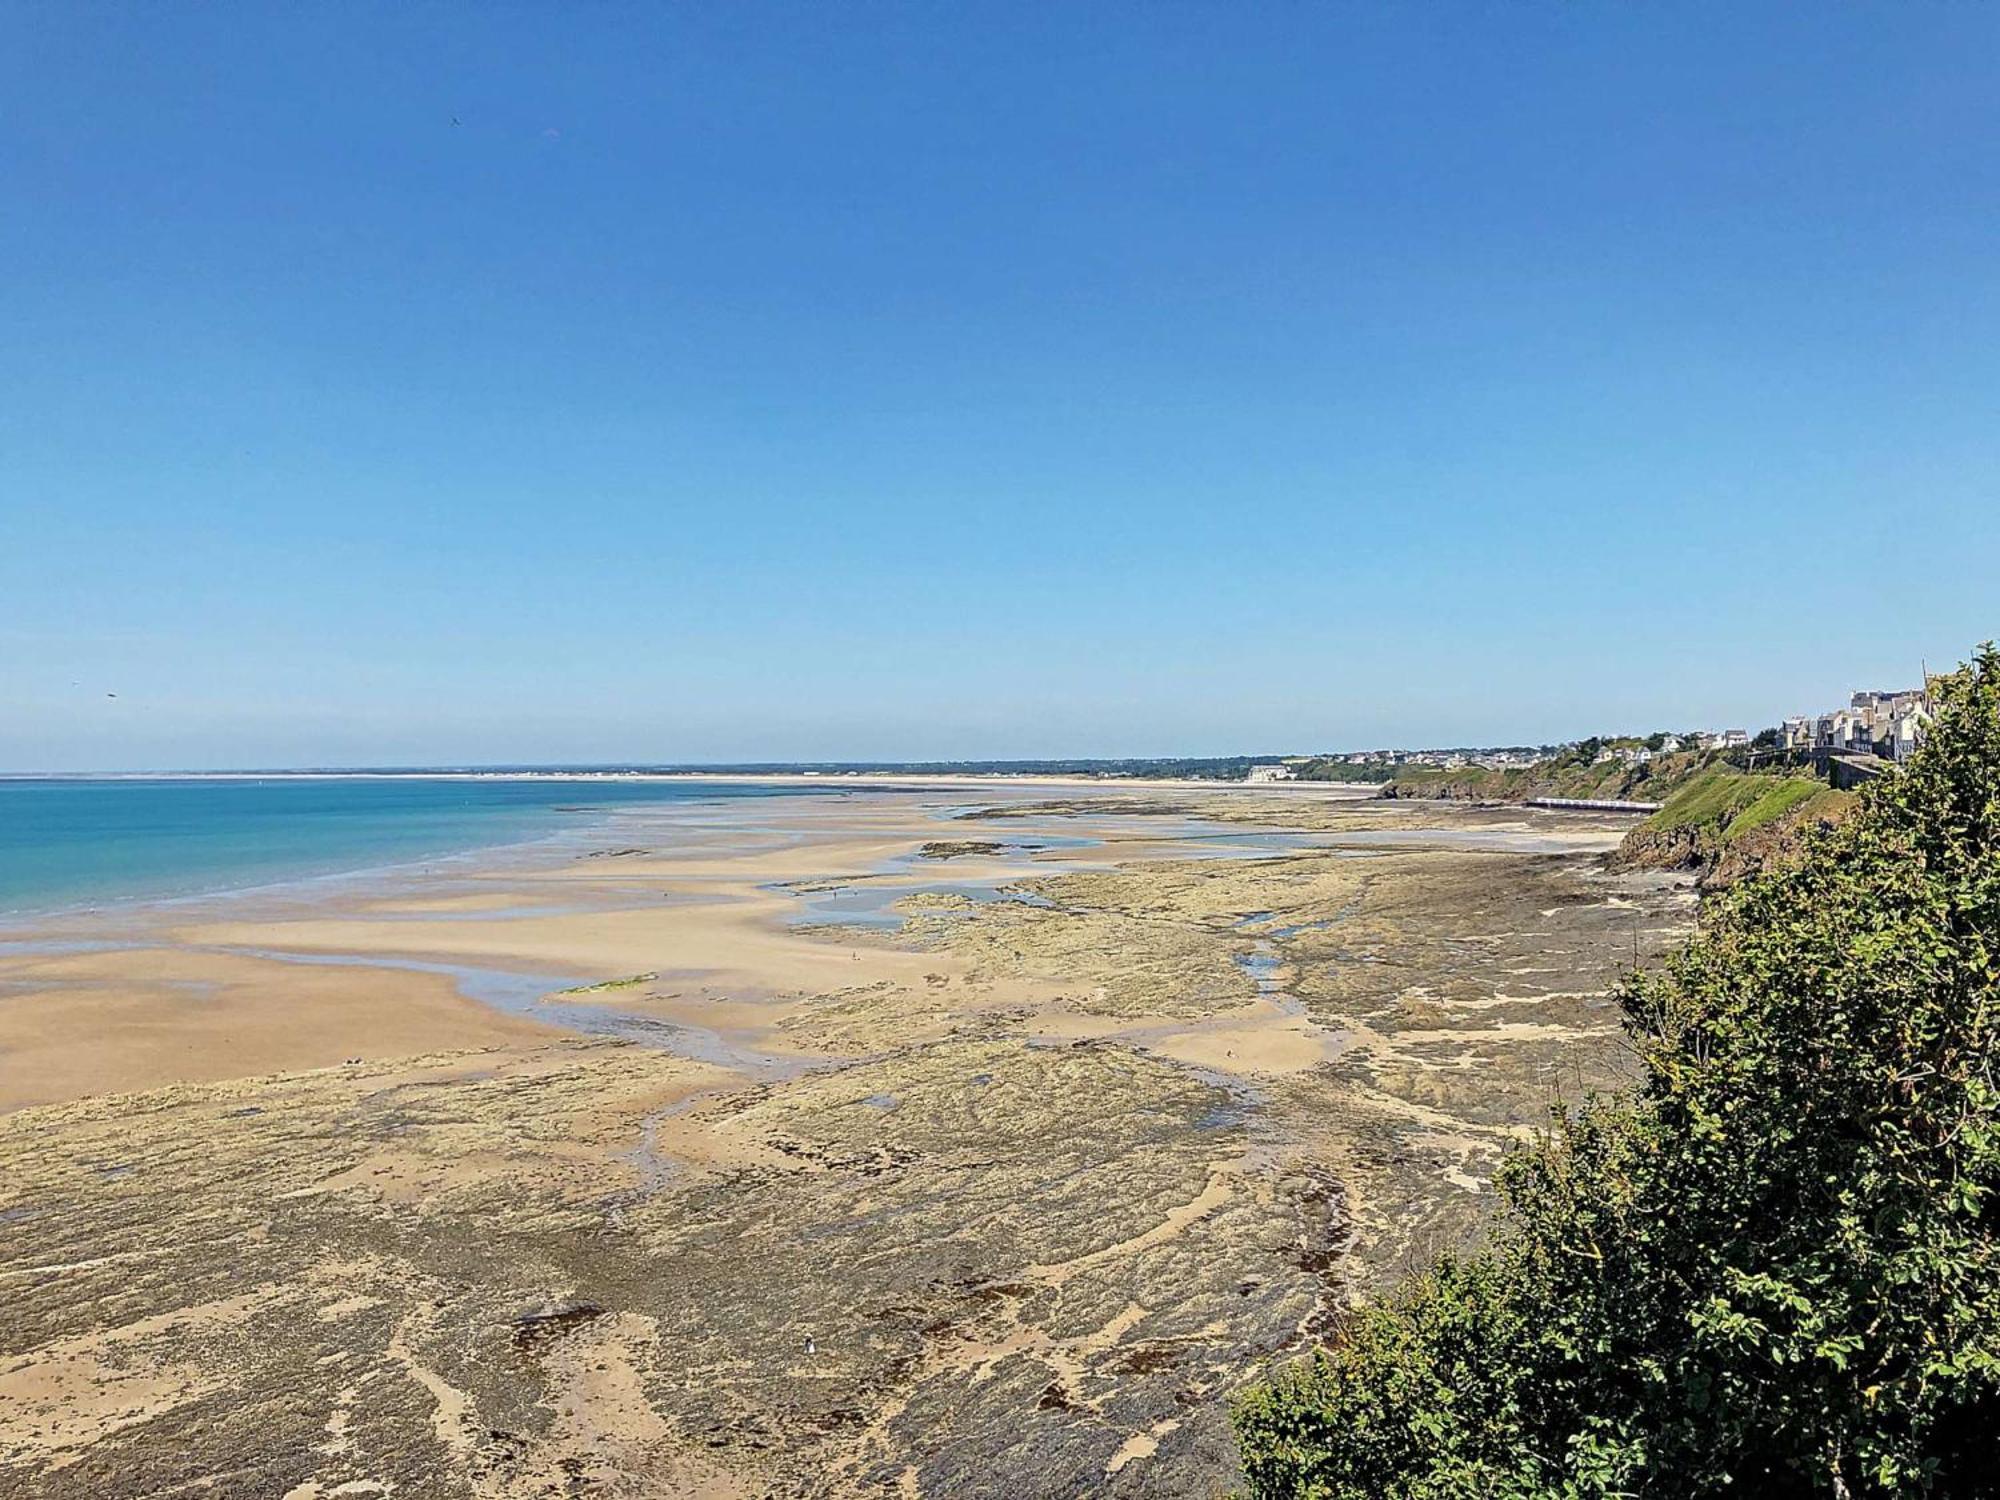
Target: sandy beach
[
  {"x": 750, "y": 1102},
  {"x": 194, "y": 991}
]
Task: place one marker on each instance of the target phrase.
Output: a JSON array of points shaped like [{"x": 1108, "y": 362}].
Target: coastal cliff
[
  {"x": 1716, "y": 817},
  {"x": 1729, "y": 824},
  {"x": 1577, "y": 773}
]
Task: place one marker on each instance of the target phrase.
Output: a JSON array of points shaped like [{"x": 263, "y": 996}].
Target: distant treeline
[
  {"x": 1195, "y": 768},
  {"x": 1331, "y": 768}
]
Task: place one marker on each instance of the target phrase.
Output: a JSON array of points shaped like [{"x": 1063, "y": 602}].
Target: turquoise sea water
[{"x": 74, "y": 842}]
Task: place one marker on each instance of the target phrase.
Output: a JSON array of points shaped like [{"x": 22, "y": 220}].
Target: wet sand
[
  {"x": 734, "y": 919},
  {"x": 77, "y": 1024},
  {"x": 751, "y": 1150}
]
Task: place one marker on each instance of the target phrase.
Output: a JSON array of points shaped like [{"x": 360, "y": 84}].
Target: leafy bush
[{"x": 1773, "y": 1268}]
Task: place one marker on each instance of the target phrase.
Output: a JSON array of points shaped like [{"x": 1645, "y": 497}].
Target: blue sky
[{"x": 450, "y": 383}]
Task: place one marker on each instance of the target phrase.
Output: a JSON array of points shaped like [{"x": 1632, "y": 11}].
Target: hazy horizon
[{"x": 419, "y": 387}]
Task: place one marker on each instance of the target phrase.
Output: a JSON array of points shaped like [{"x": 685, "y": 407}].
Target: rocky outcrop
[
  {"x": 1723, "y": 859},
  {"x": 1684, "y": 848},
  {"x": 1780, "y": 841}
]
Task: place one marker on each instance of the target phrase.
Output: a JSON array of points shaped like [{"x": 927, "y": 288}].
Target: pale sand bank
[{"x": 110, "y": 1022}]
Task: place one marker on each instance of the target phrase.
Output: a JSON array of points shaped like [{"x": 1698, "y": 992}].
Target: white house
[{"x": 1906, "y": 731}]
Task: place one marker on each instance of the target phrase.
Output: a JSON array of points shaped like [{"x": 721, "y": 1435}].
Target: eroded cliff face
[
  {"x": 1717, "y": 859},
  {"x": 1783, "y": 840},
  {"x": 1684, "y": 848},
  {"x": 1445, "y": 791}
]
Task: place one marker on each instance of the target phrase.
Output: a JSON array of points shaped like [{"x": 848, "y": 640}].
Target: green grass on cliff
[
  {"x": 1790, "y": 795},
  {"x": 1732, "y": 802},
  {"x": 1575, "y": 773}
]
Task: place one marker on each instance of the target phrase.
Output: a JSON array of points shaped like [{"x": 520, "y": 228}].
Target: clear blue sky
[{"x": 416, "y": 383}]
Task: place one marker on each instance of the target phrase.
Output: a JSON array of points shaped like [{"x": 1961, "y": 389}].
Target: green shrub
[{"x": 1772, "y": 1269}]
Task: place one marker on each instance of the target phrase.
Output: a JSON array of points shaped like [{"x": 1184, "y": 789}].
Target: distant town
[{"x": 1883, "y": 725}]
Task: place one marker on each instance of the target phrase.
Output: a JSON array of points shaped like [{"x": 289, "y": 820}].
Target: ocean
[{"x": 70, "y": 842}]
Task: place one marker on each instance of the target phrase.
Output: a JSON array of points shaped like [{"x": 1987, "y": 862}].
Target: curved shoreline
[{"x": 550, "y": 824}]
